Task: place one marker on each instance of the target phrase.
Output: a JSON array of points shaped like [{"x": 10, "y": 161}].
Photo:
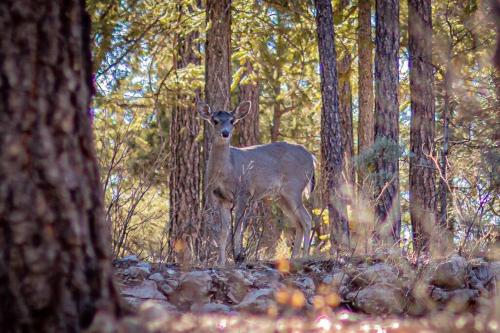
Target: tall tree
[
  {"x": 184, "y": 164},
  {"x": 366, "y": 125},
  {"x": 331, "y": 140},
  {"x": 387, "y": 206},
  {"x": 55, "y": 266},
  {"x": 422, "y": 175},
  {"x": 248, "y": 128},
  {"x": 345, "y": 111},
  {"x": 217, "y": 93}
]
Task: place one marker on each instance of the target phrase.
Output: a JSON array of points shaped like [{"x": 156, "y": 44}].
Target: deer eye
[
  {"x": 232, "y": 121},
  {"x": 216, "y": 122}
]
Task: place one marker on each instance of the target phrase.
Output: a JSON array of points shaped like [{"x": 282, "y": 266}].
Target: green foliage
[{"x": 135, "y": 43}]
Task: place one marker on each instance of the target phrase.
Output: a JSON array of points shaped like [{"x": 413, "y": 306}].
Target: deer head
[{"x": 223, "y": 121}]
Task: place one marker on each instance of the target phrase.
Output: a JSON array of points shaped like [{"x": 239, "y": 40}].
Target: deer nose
[{"x": 225, "y": 134}]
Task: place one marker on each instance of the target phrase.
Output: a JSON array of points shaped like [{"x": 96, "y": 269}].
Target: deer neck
[{"x": 219, "y": 161}]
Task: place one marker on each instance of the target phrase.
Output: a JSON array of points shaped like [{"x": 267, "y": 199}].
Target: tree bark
[
  {"x": 345, "y": 110},
  {"x": 422, "y": 128},
  {"x": 387, "y": 205},
  {"x": 185, "y": 166},
  {"x": 366, "y": 124},
  {"x": 55, "y": 267},
  {"x": 331, "y": 140},
  {"x": 247, "y": 131},
  {"x": 217, "y": 95}
]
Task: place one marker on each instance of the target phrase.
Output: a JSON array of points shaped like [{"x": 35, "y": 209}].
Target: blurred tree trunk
[
  {"x": 387, "y": 205},
  {"x": 366, "y": 123},
  {"x": 422, "y": 176},
  {"x": 184, "y": 168},
  {"x": 55, "y": 267},
  {"x": 331, "y": 140},
  {"x": 217, "y": 95}
]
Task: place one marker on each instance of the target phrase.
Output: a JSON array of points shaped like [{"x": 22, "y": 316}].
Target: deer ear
[
  {"x": 204, "y": 111},
  {"x": 242, "y": 110}
]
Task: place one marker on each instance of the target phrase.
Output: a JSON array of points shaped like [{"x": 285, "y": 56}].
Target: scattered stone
[
  {"x": 126, "y": 262},
  {"x": 136, "y": 272},
  {"x": 377, "y": 274},
  {"x": 211, "y": 308},
  {"x": 450, "y": 274},
  {"x": 238, "y": 285},
  {"x": 193, "y": 288},
  {"x": 145, "y": 290},
  {"x": 378, "y": 299},
  {"x": 456, "y": 300},
  {"x": 267, "y": 278},
  {"x": 157, "y": 277},
  {"x": 257, "y": 301}
]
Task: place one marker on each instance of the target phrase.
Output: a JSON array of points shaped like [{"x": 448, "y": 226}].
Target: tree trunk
[
  {"x": 217, "y": 95},
  {"x": 422, "y": 175},
  {"x": 443, "y": 179},
  {"x": 345, "y": 110},
  {"x": 331, "y": 140},
  {"x": 366, "y": 123},
  {"x": 185, "y": 177},
  {"x": 247, "y": 131},
  {"x": 55, "y": 267},
  {"x": 387, "y": 205}
]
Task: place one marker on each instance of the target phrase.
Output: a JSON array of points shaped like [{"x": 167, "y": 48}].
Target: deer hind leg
[
  {"x": 289, "y": 207},
  {"x": 306, "y": 222}
]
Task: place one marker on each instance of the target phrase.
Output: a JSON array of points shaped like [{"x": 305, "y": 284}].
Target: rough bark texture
[
  {"x": 366, "y": 123},
  {"x": 443, "y": 178},
  {"x": 185, "y": 177},
  {"x": 55, "y": 269},
  {"x": 247, "y": 131},
  {"x": 387, "y": 119},
  {"x": 217, "y": 95},
  {"x": 345, "y": 110},
  {"x": 331, "y": 140},
  {"x": 422, "y": 171}
]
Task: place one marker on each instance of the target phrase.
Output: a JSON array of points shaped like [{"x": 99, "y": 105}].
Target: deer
[{"x": 281, "y": 171}]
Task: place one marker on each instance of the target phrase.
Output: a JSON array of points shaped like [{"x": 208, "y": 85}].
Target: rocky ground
[{"x": 317, "y": 295}]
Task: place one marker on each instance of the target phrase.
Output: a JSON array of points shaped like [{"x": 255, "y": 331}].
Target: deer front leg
[{"x": 225, "y": 220}]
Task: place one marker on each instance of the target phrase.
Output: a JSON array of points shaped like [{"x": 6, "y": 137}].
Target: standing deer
[{"x": 235, "y": 176}]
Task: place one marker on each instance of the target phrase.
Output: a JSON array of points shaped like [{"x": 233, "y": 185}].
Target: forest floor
[{"x": 383, "y": 293}]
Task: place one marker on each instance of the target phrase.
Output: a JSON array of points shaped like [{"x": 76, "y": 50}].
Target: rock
[
  {"x": 377, "y": 274},
  {"x": 145, "y": 290},
  {"x": 338, "y": 282},
  {"x": 267, "y": 278},
  {"x": 144, "y": 265},
  {"x": 136, "y": 272},
  {"x": 155, "y": 309},
  {"x": 495, "y": 270},
  {"x": 211, "y": 308},
  {"x": 257, "y": 301},
  {"x": 157, "y": 277},
  {"x": 456, "y": 300},
  {"x": 126, "y": 262},
  {"x": 479, "y": 275},
  {"x": 238, "y": 285},
  {"x": 450, "y": 274},
  {"x": 193, "y": 288},
  {"x": 378, "y": 299}
]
